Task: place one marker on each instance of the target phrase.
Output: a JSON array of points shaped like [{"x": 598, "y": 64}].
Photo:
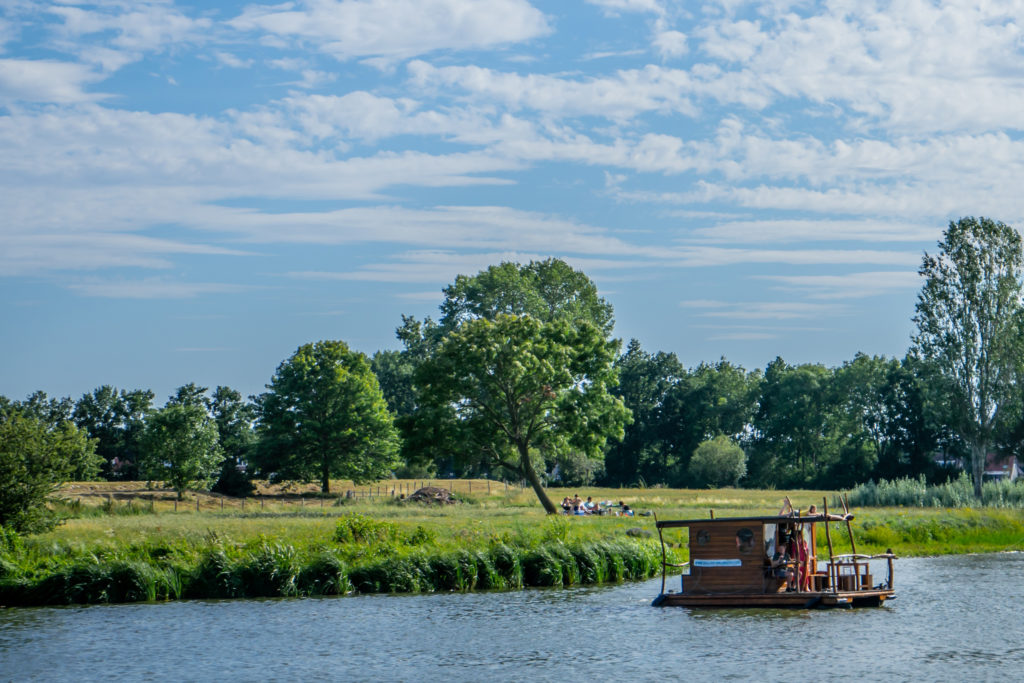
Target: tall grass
[{"x": 957, "y": 493}]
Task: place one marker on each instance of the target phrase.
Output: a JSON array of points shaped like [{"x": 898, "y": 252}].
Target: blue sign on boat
[{"x": 718, "y": 563}]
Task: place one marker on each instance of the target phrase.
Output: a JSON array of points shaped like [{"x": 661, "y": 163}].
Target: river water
[{"x": 955, "y": 619}]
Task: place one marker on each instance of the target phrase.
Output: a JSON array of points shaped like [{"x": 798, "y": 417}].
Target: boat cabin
[{"x": 772, "y": 561}]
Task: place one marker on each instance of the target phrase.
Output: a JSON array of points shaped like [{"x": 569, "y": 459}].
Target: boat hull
[{"x": 826, "y": 599}]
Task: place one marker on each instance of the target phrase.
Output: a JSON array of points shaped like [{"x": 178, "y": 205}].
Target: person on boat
[
  {"x": 802, "y": 553},
  {"x": 780, "y": 563}
]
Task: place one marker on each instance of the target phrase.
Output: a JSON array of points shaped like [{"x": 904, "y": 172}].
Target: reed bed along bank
[{"x": 122, "y": 549}]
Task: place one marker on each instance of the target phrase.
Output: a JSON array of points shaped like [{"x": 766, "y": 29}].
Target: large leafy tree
[
  {"x": 969, "y": 325},
  {"x": 547, "y": 290},
  {"x": 35, "y": 459},
  {"x": 324, "y": 415},
  {"x": 516, "y": 385},
  {"x": 180, "y": 447}
]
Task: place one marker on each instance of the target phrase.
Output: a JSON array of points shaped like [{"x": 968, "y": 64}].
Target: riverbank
[{"x": 127, "y": 550}]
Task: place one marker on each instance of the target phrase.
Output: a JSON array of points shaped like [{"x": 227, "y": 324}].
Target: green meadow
[{"x": 125, "y": 543}]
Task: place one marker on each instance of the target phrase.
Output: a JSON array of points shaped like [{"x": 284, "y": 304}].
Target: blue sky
[{"x": 190, "y": 191}]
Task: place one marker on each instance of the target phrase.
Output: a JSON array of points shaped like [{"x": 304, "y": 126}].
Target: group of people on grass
[{"x": 577, "y": 506}]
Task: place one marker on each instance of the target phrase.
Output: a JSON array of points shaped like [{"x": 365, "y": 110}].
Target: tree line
[{"x": 519, "y": 377}]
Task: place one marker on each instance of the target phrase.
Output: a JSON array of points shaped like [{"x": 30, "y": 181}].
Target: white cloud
[
  {"x": 153, "y": 288},
  {"x": 231, "y": 60},
  {"x": 788, "y": 231},
  {"x": 850, "y": 285},
  {"x": 397, "y": 29},
  {"x": 615, "y": 7},
  {"x": 39, "y": 80},
  {"x": 768, "y": 310},
  {"x": 912, "y": 66}
]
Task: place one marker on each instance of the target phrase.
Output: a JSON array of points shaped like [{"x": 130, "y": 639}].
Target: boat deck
[{"x": 861, "y": 598}]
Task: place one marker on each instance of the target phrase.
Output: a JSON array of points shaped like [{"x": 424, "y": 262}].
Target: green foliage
[
  {"x": 180, "y": 447},
  {"x": 546, "y": 290},
  {"x": 718, "y": 462},
  {"x": 515, "y": 383},
  {"x": 116, "y": 419},
  {"x": 970, "y": 325},
  {"x": 356, "y": 528},
  {"x": 324, "y": 416},
  {"x": 34, "y": 461},
  {"x": 957, "y": 493}
]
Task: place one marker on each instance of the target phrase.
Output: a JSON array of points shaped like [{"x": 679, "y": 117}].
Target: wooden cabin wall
[{"x": 722, "y": 545}]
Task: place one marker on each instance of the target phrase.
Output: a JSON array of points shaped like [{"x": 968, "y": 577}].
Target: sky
[{"x": 190, "y": 191}]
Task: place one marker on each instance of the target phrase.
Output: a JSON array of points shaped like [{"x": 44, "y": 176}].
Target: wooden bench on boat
[{"x": 730, "y": 564}]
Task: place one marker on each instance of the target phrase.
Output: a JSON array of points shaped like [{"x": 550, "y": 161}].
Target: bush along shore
[{"x": 365, "y": 555}]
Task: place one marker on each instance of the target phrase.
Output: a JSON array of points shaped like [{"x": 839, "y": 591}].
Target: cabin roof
[{"x": 772, "y": 519}]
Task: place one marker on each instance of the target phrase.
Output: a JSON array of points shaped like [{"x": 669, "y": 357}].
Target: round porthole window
[
  {"x": 744, "y": 540},
  {"x": 703, "y": 537}
]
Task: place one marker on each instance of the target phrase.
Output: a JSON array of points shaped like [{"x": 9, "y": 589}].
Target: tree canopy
[
  {"x": 324, "y": 415},
  {"x": 969, "y": 325},
  {"x": 180, "y": 447},
  {"x": 515, "y": 384},
  {"x": 35, "y": 459}
]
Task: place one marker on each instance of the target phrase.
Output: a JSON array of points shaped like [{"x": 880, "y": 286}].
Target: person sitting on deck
[{"x": 780, "y": 563}]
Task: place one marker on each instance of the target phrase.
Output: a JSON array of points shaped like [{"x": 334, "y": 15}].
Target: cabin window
[
  {"x": 744, "y": 540},
  {"x": 703, "y": 537}
]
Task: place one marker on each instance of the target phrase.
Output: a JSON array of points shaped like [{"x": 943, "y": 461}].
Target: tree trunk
[
  {"x": 531, "y": 476},
  {"x": 325, "y": 479},
  {"x": 979, "y": 452}
]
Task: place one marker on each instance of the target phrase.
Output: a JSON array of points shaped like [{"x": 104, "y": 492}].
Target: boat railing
[{"x": 852, "y": 571}]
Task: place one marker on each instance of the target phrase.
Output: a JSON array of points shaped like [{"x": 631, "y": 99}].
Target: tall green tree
[
  {"x": 35, "y": 459},
  {"x": 324, "y": 415},
  {"x": 969, "y": 325},
  {"x": 547, "y": 290},
  {"x": 235, "y": 421},
  {"x": 516, "y": 385},
  {"x": 180, "y": 447}
]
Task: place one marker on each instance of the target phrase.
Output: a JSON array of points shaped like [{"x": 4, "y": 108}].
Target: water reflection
[{"x": 955, "y": 618}]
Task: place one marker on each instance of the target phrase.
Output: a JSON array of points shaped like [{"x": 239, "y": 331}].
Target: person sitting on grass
[
  {"x": 592, "y": 507},
  {"x": 566, "y": 506},
  {"x": 624, "y": 510}
]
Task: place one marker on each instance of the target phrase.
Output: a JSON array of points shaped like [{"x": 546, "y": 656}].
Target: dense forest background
[{"x": 520, "y": 378}]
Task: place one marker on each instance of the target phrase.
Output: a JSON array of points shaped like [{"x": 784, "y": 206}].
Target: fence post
[
  {"x": 261, "y": 502},
  {"x": 471, "y": 486},
  {"x": 488, "y": 487},
  {"x": 175, "y": 504},
  {"x": 222, "y": 505},
  {"x": 197, "y": 502}
]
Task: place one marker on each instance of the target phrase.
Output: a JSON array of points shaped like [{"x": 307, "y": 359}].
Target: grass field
[{"x": 126, "y": 541}]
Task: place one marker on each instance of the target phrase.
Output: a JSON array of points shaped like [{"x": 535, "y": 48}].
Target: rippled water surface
[{"x": 956, "y": 618}]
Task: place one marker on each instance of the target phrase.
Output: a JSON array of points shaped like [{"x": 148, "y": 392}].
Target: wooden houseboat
[{"x": 771, "y": 562}]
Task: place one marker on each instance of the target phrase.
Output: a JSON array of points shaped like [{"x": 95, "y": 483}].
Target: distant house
[
  {"x": 996, "y": 466},
  {"x": 1002, "y": 467}
]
